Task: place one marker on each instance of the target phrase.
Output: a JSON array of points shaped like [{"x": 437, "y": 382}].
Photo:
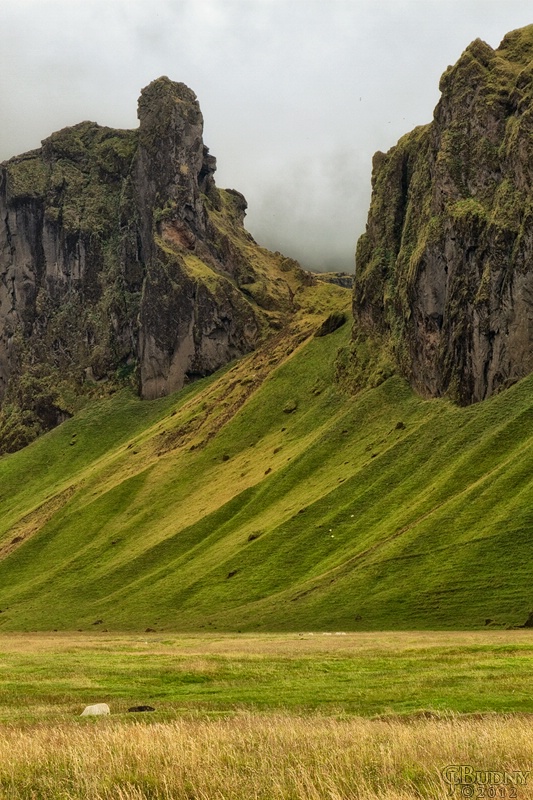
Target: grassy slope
[{"x": 217, "y": 508}]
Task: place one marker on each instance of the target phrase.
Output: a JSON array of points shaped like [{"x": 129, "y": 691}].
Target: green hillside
[{"x": 267, "y": 497}]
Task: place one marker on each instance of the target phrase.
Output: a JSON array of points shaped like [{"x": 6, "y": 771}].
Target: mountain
[
  {"x": 317, "y": 481},
  {"x": 121, "y": 261},
  {"x": 444, "y": 268}
]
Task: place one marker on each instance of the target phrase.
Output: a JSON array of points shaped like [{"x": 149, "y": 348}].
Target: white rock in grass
[{"x": 96, "y": 710}]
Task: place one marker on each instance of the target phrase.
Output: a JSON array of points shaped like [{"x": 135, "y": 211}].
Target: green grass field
[
  {"x": 265, "y": 498},
  {"x": 46, "y": 677}
]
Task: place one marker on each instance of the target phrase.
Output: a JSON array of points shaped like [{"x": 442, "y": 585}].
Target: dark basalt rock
[
  {"x": 444, "y": 268},
  {"x": 342, "y": 279},
  {"x": 332, "y": 323},
  {"x": 120, "y": 260}
]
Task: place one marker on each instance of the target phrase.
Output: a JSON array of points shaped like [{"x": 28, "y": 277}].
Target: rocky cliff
[
  {"x": 444, "y": 269},
  {"x": 121, "y": 260},
  {"x": 343, "y": 279}
]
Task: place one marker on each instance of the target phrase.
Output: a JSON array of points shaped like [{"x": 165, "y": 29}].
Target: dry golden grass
[{"x": 258, "y": 756}]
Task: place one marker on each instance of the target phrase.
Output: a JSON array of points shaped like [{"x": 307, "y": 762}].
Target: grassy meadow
[
  {"x": 49, "y": 676},
  {"x": 361, "y": 715}
]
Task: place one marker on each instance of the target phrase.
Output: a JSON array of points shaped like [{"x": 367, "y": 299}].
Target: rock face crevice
[
  {"x": 120, "y": 259},
  {"x": 444, "y": 267}
]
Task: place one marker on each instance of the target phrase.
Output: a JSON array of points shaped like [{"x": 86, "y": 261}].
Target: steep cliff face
[
  {"x": 445, "y": 266},
  {"x": 120, "y": 259}
]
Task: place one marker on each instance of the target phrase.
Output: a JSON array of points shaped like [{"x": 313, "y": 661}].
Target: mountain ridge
[{"x": 120, "y": 260}]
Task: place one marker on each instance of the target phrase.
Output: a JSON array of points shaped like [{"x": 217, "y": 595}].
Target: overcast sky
[{"x": 296, "y": 95}]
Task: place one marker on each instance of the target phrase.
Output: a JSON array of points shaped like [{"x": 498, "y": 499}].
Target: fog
[{"x": 296, "y": 95}]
